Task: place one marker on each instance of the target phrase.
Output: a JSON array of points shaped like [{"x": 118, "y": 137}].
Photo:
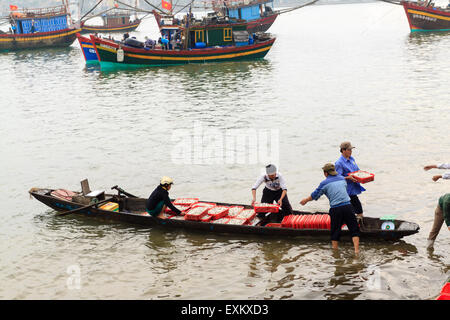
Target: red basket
[
  {"x": 234, "y": 211},
  {"x": 237, "y": 221},
  {"x": 217, "y": 212},
  {"x": 274, "y": 225},
  {"x": 195, "y": 213},
  {"x": 186, "y": 201},
  {"x": 246, "y": 214},
  {"x": 362, "y": 176},
  {"x": 266, "y": 207},
  {"x": 221, "y": 220},
  {"x": 180, "y": 207}
]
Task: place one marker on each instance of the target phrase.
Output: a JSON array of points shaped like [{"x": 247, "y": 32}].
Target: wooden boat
[
  {"x": 259, "y": 14},
  {"x": 89, "y": 54},
  {"x": 131, "y": 209},
  {"x": 112, "y": 24},
  {"x": 423, "y": 16},
  {"x": 39, "y": 28},
  {"x": 202, "y": 44}
]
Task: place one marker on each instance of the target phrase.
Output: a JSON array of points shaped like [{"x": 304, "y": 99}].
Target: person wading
[
  {"x": 341, "y": 210},
  {"x": 442, "y": 211}
]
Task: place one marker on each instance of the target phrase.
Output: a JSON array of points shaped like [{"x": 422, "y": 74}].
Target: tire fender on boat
[{"x": 120, "y": 55}]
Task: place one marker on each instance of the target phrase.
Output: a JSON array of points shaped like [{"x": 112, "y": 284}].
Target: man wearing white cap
[
  {"x": 159, "y": 199},
  {"x": 275, "y": 190}
]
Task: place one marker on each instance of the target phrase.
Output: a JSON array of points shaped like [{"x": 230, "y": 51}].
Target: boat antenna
[
  {"x": 100, "y": 1},
  {"x": 155, "y": 7}
]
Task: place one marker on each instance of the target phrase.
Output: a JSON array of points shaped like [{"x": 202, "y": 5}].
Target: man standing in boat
[
  {"x": 344, "y": 165},
  {"x": 275, "y": 190},
  {"x": 159, "y": 200},
  {"x": 442, "y": 211},
  {"x": 341, "y": 209}
]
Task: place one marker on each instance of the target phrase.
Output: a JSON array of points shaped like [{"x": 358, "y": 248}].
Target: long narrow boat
[
  {"x": 423, "y": 16},
  {"x": 132, "y": 210},
  {"x": 38, "y": 28},
  {"x": 89, "y": 54}
]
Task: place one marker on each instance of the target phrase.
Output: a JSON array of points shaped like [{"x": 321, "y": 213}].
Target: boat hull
[
  {"x": 61, "y": 38},
  {"x": 138, "y": 58},
  {"x": 136, "y": 214},
  {"x": 104, "y": 29},
  {"x": 88, "y": 50},
  {"x": 261, "y": 25},
  {"x": 421, "y": 18}
]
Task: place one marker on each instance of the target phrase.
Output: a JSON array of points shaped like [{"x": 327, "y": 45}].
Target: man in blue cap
[
  {"x": 275, "y": 190},
  {"x": 344, "y": 165}
]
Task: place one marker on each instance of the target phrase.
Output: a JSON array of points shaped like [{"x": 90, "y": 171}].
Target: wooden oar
[{"x": 82, "y": 208}]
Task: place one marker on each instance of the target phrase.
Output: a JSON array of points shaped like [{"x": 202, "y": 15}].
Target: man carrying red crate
[
  {"x": 341, "y": 210},
  {"x": 345, "y": 165},
  {"x": 275, "y": 190},
  {"x": 442, "y": 212}
]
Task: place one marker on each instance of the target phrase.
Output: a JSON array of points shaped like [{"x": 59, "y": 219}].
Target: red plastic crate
[
  {"x": 246, "y": 214},
  {"x": 221, "y": 220},
  {"x": 237, "y": 221},
  {"x": 186, "y": 201},
  {"x": 195, "y": 213},
  {"x": 180, "y": 207},
  {"x": 205, "y": 218},
  {"x": 274, "y": 225},
  {"x": 217, "y": 212},
  {"x": 362, "y": 176},
  {"x": 266, "y": 207},
  {"x": 234, "y": 211}
]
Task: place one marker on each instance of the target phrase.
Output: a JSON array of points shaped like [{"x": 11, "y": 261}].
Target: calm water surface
[{"x": 336, "y": 72}]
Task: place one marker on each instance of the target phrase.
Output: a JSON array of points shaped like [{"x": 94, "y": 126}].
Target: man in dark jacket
[{"x": 159, "y": 199}]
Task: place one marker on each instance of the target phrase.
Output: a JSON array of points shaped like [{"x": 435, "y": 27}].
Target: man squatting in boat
[
  {"x": 341, "y": 210},
  {"x": 442, "y": 212},
  {"x": 159, "y": 199},
  {"x": 275, "y": 190}
]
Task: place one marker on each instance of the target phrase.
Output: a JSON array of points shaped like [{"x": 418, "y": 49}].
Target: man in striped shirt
[{"x": 442, "y": 212}]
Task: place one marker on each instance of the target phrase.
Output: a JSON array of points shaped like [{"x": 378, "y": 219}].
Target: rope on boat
[
  {"x": 392, "y": 2},
  {"x": 295, "y": 8}
]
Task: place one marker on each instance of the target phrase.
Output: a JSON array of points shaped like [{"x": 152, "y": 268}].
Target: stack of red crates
[{"x": 307, "y": 221}]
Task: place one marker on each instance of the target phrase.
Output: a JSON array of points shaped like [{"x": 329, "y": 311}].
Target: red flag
[
  {"x": 166, "y": 5},
  {"x": 13, "y": 8}
]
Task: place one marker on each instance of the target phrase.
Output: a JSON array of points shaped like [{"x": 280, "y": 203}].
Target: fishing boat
[
  {"x": 196, "y": 43},
  {"x": 259, "y": 14},
  {"x": 424, "y": 16},
  {"x": 89, "y": 54},
  {"x": 129, "y": 208},
  {"x": 39, "y": 28},
  {"x": 113, "y": 23}
]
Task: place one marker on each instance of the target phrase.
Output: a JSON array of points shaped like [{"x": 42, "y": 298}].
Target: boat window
[{"x": 227, "y": 34}]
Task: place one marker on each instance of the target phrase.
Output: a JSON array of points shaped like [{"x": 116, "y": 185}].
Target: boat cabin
[
  {"x": 246, "y": 10},
  {"x": 39, "y": 20},
  {"x": 116, "y": 19},
  {"x": 202, "y": 36}
]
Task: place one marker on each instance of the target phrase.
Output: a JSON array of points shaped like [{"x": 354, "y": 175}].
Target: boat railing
[{"x": 39, "y": 12}]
